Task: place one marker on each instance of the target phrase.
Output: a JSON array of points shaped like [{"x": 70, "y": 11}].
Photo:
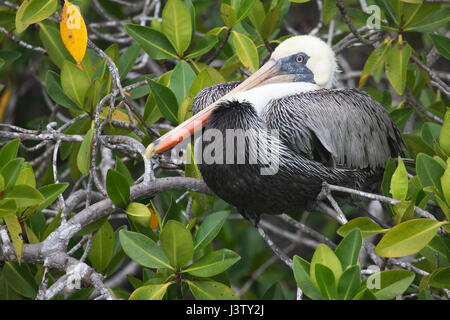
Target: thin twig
[
  {"x": 22, "y": 43},
  {"x": 412, "y": 101},
  {"x": 283, "y": 257},
  {"x": 219, "y": 49},
  {"x": 378, "y": 197},
  {"x": 441, "y": 84},
  {"x": 340, "y": 5},
  {"x": 307, "y": 230}
]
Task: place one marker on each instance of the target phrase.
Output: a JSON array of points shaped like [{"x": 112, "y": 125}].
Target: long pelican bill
[{"x": 269, "y": 72}]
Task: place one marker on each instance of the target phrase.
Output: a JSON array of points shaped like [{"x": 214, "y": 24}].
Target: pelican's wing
[
  {"x": 345, "y": 128},
  {"x": 210, "y": 94}
]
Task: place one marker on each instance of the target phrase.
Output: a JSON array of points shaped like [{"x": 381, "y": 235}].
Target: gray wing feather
[
  {"x": 352, "y": 127},
  {"x": 209, "y": 95}
]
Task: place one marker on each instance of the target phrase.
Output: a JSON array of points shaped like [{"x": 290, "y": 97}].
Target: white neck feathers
[{"x": 259, "y": 97}]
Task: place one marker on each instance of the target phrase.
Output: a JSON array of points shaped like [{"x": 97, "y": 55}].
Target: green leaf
[
  {"x": 396, "y": 64},
  {"x": 7, "y": 207},
  {"x": 50, "y": 193},
  {"x": 102, "y": 247},
  {"x": 404, "y": 210},
  {"x": 425, "y": 295},
  {"x": 445, "y": 182},
  {"x": 20, "y": 25},
  {"x": 417, "y": 14},
  {"x": 246, "y": 51},
  {"x": 81, "y": 294},
  {"x": 442, "y": 44},
  {"x": 95, "y": 92},
  {"x": 257, "y": 15},
  {"x": 205, "y": 44},
  {"x": 8, "y": 152},
  {"x": 8, "y": 57},
  {"x": 181, "y": 80},
  {"x": 15, "y": 232},
  {"x": 244, "y": 9},
  {"x": 299, "y": 1},
  {"x": 301, "y": 270},
  {"x": 429, "y": 172},
  {"x": 135, "y": 282},
  {"x": 38, "y": 10},
  {"x": 430, "y": 132},
  {"x": 127, "y": 60},
  {"x": 56, "y": 92},
  {"x": 92, "y": 227},
  {"x": 166, "y": 100},
  {"x": 143, "y": 250},
  {"x": 228, "y": 15},
  {"x": 176, "y": 241},
  {"x": 417, "y": 145},
  {"x": 84, "y": 153},
  {"x": 325, "y": 256},
  {"x": 348, "y": 249},
  {"x": 154, "y": 43},
  {"x": 176, "y": 25},
  {"x": 444, "y": 137},
  {"x": 151, "y": 112},
  {"x": 26, "y": 175},
  {"x": 408, "y": 237},
  {"x": 392, "y": 283},
  {"x": 440, "y": 278},
  {"x": 329, "y": 10},
  {"x": 325, "y": 281},
  {"x": 150, "y": 292},
  {"x": 213, "y": 263},
  {"x": 184, "y": 108},
  {"x": 20, "y": 279},
  {"x": 275, "y": 292},
  {"x": 138, "y": 214},
  {"x": 74, "y": 83},
  {"x": 209, "y": 229},
  {"x": 271, "y": 22},
  {"x": 211, "y": 290},
  {"x": 433, "y": 23},
  {"x": 401, "y": 116},
  {"x": 2, "y": 64},
  {"x": 10, "y": 173},
  {"x": 25, "y": 196},
  {"x": 190, "y": 6},
  {"x": 113, "y": 53},
  {"x": 349, "y": 283},
  {"x": 437, "y": 249},
  {"x": 122, "y": 169},
  {"x": 51, "y": 39},
  {"x": 117, "y": 188},
  {"x": 365, "y": 294},
  {"x": 202, "y": 80},
  {"x": 399, "y": 181},
  {"x": 6, "y": 292},
  {"x": 366, "y": 225}
]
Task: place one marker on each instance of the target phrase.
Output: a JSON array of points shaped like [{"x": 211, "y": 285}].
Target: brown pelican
[{"x": 341, "y": 136}]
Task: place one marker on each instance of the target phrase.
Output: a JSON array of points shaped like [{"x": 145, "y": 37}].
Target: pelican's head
[
  {"x": 307, "y": 58},
  {"x": 297, "y": 59}
]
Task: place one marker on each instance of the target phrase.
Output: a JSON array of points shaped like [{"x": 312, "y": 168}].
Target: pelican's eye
[{"x": 300, "y": 58}]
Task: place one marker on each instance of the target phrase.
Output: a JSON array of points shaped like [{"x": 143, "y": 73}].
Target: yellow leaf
[
  {"x": 15, "y": 231},
  {"x": 4, "y": 99},
  {"x": 153, "y": 219},
  {"x": 73, "y": 31}
]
